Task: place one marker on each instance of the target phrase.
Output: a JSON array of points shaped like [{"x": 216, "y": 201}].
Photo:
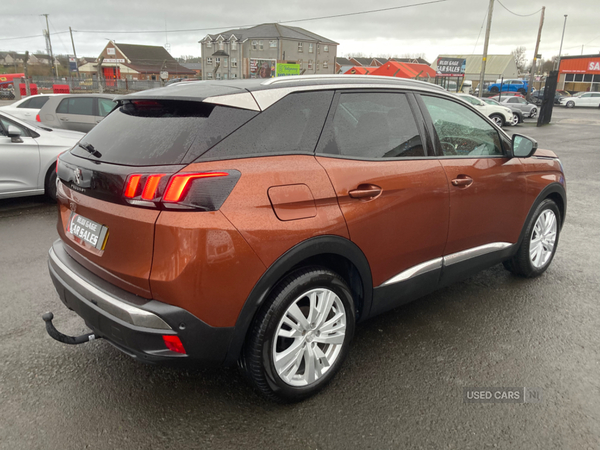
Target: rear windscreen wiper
[{"x": 90, "y": 148}]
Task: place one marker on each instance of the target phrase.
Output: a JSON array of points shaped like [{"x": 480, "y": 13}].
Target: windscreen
[{"x": 159, "y": 132}]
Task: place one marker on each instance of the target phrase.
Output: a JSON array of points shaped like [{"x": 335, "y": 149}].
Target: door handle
[
  {"x": 365, "y": 191},
  {"x": 64, "y": 119},
  {"x": 462, "y": 181}
]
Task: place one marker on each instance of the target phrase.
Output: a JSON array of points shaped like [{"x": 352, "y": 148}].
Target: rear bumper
[{"x": 134, "y": 325}]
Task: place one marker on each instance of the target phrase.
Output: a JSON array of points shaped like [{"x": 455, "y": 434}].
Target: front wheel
[
  {"x": 494, "y": 90},
  {"x": 515, "y": 120},
  {"x": 539, "y": 243},
  {"x": 522, "y": 91},
  {"x": 301, "y": 336},
  {"x": 570, "y": 104},
  {"x": 533, "y": 113},
  {"x": 498, "y": 119}
]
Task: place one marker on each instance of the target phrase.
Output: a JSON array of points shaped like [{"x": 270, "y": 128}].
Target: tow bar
[{"x": 72, "y": 340}]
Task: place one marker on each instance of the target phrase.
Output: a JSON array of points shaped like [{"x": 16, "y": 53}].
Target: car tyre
[
  {"x": 50, "y": 186},
  {"x": 570, "y": 104},
  {"x": 522, "y": 91},
  {"x": 539, "y": 242},
  {"x": 533, "y": 113},
  {"x": 287, "y": 356},
  {"x": 494, "y": 90},
  {"x": 497, "y": 119},
  {"x": 515, "y": 120}
]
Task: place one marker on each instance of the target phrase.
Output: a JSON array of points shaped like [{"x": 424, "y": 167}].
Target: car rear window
[{"x": 152, "y": 132}]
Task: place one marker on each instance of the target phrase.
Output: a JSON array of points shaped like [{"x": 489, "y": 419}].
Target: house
[
  {"x": 497, "y": 66},
  {"x": 266, "y": 51},
  {"x": 405, "y": 70},
  {"x": 196, "y": 67},
  {"x": 366, "y": 62},
  {"x": 359, "y": 70},
  {"x": 342, "y": 65},
  {"x": 136, "y": 62}
]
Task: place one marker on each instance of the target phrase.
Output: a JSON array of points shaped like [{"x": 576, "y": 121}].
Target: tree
[{"x": 520, "y": 60}]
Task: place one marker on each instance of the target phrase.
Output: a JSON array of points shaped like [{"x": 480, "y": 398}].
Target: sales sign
[{"x": 451, "y": 67}]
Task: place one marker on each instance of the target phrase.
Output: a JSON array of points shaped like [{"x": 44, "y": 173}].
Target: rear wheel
[
  {"x": 539, "y": 243},
  {"x": 494, "y": 90},
  {"x": 522, "y": 91},
  {"x": 50, "y": 186},
  {"x": 570, "y": 104},
  {"x": 515, "y": 120},
  {"x": 301, "y": 336},
  {"x": 533, "y": 113},
  {"x": 498, "y": 119}
]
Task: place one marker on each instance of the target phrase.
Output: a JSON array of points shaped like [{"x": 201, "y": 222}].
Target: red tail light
[
  {"x": 132, "y": 184},
  {"x": 173, "y": 343},
  {"x": 37, "y": 118},
  {"x": 178, "y": 184},
  {"x": 150, "y": 188}
]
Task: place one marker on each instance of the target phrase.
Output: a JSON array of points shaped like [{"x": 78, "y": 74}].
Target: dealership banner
[
  {"x": 286, "y": 70},
  {"x": 451, "y": 67},
  {"x": 263, "y": 68}
]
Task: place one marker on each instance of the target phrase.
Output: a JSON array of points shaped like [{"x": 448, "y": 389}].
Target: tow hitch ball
[{"x": 73, "y": 340}]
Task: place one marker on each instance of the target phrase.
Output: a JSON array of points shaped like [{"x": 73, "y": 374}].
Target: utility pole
[
  {"x": 485, "y": 47},
  {"x": 74, "y": 52},
  {"x": 561, "y": 43},
  {"x": 52, "y": 66},
  {"x": 537, "y": 47}
]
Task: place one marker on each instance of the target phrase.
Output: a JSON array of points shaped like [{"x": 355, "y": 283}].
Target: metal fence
[{"x": 83, "y": 85}]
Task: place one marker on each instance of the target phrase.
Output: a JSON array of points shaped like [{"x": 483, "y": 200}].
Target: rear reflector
[
  {"x": 173, "y": 343},
  {"x": 37, "y": 118},
  {"x": 132, "y": 185},
  {"x": 150, "y": 187},
  {"x": 178, "y": 183}
]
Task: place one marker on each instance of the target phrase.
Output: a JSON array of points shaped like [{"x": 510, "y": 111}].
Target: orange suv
[{"x": 258, "y": 221}]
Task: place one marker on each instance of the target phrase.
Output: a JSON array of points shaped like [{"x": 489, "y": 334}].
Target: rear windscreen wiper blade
[{"x": 90, "y": 148}]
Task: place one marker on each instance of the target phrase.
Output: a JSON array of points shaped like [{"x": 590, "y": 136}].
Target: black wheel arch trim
[
  {"x": 320, "y": 245},
  {"x": 552, "y": 188}
]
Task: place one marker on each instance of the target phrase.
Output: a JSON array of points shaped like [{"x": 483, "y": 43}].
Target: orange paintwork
[
  {"x": 492, "y": 208},
  {"x": 406, "y": 224},
  {"x": 292, "y": 202},
  {"x": 202, "y": 264},
  {"x": 127, "y": 257}
]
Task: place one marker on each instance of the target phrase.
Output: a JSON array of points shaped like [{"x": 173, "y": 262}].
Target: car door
[
  {"x": 19, "y": 161},
  {"x": 392, "y": 191},
  {"x": 487, "y": 187},
  {"x": 77, "y": 113}
]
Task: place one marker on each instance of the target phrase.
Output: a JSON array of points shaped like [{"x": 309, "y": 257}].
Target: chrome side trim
[
  {"x": 243, "y": 100},
  {"x": 475, "y": 252},
  {"x": 267, "y": 97},
  {"x": 447, "y": 260},
  {"x": 414, "y": 271},
  {"x": 112, "y": 305}
]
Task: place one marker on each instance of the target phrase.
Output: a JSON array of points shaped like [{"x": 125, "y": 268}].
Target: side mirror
[
  {"x": 522, "y": 146},
  {"x": 14, "y": 134}
]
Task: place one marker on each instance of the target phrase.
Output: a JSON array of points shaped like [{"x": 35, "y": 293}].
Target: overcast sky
[{"x": 448, "y": 27}]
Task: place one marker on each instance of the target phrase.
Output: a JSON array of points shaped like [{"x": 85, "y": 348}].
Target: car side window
[
  {"x": 105, "y": 106},
  {"x": 37, "y": 102},
  {"x": 513, "y": 100},
  {"x": 372, "y": 125},
  {"x": 461, "y": 132},
  {"x": 292, "y": 125},
  {"x": 81, "y": 106},
  {"x": 25, "y": 104}
]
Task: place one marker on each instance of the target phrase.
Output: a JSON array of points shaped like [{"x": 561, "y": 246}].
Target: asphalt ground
[{"x": 401, "y": 387}]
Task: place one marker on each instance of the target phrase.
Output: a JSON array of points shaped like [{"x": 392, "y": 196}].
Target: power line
[
  {"x": 32, "y": 36},
  {"x": 479, "y": 35},
  {"x": 251, "y": 25},
  {"x": 514, "y": 13}
]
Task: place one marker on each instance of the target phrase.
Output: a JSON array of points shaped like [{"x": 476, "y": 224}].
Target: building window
[
  {"x": 310, "y": 63},
  {"x": 225, "y": 62},
  {"x": 218, "y": 76},
  {"x": 325, "y": 65},
  {"x": 273, "y": 44},
  {"x": 217, "y": 60},
  {"x": 209, "y": 61},
  {"x": 209, "y": 75},
  {"x": 260, "y": 45},
  {"x": 234, "y": 75},
  {"x": 254, "y": 45},
  {"x": 300, "y": 47},
  {"x": 578, "y": 77},
  {"x": 208, "y": 44},
  {"x": 233, "y": 62},
  {"x": 310, "y": 48},
  {"x": 233, "y": 45},
  {"x": 569, "y": 77},
  {"x": 326, "y": 48},
  {"x": 224, "y": 76},
  {"x": 221, "y": 45},
  {"x": 587, "y": 77}
]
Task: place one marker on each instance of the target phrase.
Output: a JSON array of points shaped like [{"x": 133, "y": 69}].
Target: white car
[
  {"x": 582, "y": 99},
  {"x": 500, "y": 115},
  {"x": 27, "y": 108},
  {"x": 28, "y": 153}
]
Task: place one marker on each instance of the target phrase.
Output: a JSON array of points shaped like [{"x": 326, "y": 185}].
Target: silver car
[
  {"x": 28, "y": 153},
  {"x": 77, "y": 112},
  {"x": 528, "y": 109}
]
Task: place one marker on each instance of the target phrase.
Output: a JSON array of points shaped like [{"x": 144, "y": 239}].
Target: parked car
[
  {"x": 502, "y": 95},
  {"x": 27, "y": 108},
  {"x": 509, "y": 86},
  {"x": 538, "y": 96},
  {"x": 581, "y": 99},
  {"x": 527, "y": 108},
  {"x": 258, "y": 221},
  {"x": 78, "y": 112},
  {"x": 499, "y": 114},
  {"x": 179, "y": 80},
  {"x": 517, "y": 115},
  {"x": 28, "y": 157}
]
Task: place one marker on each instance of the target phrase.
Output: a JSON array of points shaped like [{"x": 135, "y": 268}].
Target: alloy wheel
[
  {"x": 543, "y": 239},
  {"x": 515, "y": 120},
  {"x": 309, "y": 337}
]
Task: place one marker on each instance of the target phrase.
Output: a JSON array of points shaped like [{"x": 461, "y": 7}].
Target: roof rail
[{"x": 371, "y": 78}]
